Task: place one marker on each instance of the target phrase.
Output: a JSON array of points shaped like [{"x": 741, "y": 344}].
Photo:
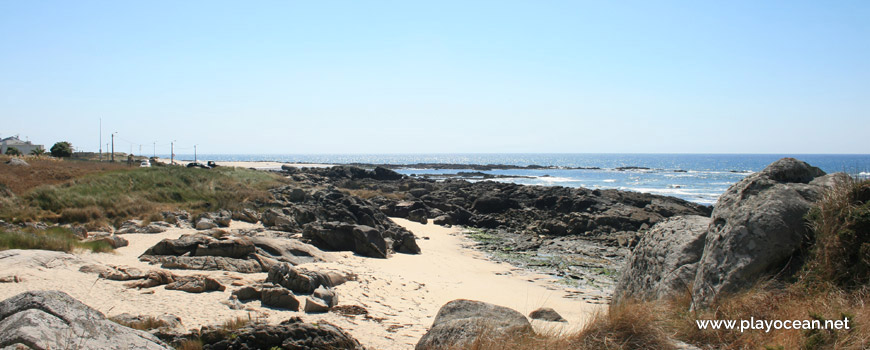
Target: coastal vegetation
[
  {"x": 52, "y": 238},
  {"x": 61, "y": 149},
  {"x": 103, "y": 193}
]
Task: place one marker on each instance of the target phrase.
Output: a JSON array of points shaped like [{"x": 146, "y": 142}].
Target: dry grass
[
  {"x": 147, "y": 324},
  {"x": 841, "y": 251},
  {"x": 55, "y": 238},
  {"x": 190, "y": 344},
  {"x": 114, "y": 196},
  {"x": 766, "y": 302},
  {"x": 50, "y": 171},
  {"x": 627, "y": 326}
]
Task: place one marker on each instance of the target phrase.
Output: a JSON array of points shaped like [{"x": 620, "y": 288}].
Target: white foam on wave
[
  {"x": 609, "y": 180},
  {"x": 555, "y": 179}
]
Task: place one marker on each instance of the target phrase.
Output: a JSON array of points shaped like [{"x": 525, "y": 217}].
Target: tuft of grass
[
  {"x": 770, "y": 302},
  {"x": 147, "y": 324},
  {"x": 627, "y": 326},
  {"x": 142, "y": 192},
  {"x": 840, "y": 255},
  {"x": 54, "y": 238},
  {"x": 190, "y": 344}
]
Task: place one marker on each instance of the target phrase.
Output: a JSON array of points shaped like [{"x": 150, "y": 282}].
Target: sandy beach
[
  {"x": 259, "y": 165},
  {"x": 402, "y": 294}
]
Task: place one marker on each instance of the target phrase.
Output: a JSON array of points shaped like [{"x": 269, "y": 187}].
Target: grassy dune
[{"x": 114, "y": 195}]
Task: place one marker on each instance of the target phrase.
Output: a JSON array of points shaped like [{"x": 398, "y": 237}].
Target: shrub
[
  {"x": 12, "y": 151},
  {"x": 38, "y": 151},
  {"x": 61, "y": 149}
]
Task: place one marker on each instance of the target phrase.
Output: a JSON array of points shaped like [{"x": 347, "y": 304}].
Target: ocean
[{"x": 699, "y": 178}]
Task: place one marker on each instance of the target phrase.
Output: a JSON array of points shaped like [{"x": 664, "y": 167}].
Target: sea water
[{"x": 699, "y": 178}]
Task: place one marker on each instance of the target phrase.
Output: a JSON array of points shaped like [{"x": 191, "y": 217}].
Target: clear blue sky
[{"x": 440, "y": 76}]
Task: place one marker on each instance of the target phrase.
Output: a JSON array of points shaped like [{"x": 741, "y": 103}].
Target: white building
[{"x": 25, "y": 147}]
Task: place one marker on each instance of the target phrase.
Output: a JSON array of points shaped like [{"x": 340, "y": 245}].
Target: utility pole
[
  {"x": 194, "y": 154},
  {"x": 140, "y": 150},
  {"x": 101, "y": 139},
  {"x": 155, "y": 149},
  {"x": 172, "y": 153},
  {"x": 113, "y": 146}
]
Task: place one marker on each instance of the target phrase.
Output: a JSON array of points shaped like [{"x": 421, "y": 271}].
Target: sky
[{"x": 293, "y": 77}]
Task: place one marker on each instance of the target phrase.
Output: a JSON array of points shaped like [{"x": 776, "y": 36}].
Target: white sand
[{"x": 402, "y": 294}]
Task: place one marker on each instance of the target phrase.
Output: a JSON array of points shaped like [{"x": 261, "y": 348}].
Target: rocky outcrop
[
  {"x": 290, "y": 334},
  {"x": 461, "y": 321},
  {"x": 284, "y": 282},
  {"x": 665, "y": 260},
  {"x": 229, "y": 253},
  {"x": 53, "y": 320},
  {"x": 303, "y": 281},
  {"x": 137, "y": 226},
  {"x": 195, "y": 284},
  {"x": 758, "y": 228},
  {"x": 333, "y": 220}
]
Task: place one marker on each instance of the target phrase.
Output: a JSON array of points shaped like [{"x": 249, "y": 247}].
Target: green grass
[
  {"x": 55, "y": 238},
  {"x": 139, "y": 193}
]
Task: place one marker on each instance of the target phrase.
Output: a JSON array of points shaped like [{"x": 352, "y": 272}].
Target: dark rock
[
  {"x": 47, "y": 319},
  {"x": 208, "y": 263},
  {"x": 361, "y": 239},
  {"x": 195, "y": 284},
  {"x": 246, "y": 215},
  {"x": 301, "y": 280},
  {"x": 254, "y": 292},
  {"x": 419, "y": 215},
  {"x": 280, "y": 298},
  {"x": 152, "y": 279},
  {"x": 461, "y": 321},
  {"x": 490, "y": 204},
  {"x": 665, "y": 260},
  {"x": 230, "y": 247},
  {"x": 546, "y": 314},
  {"x": 381, "y": 173},
  {"x": 293, "y": 334}
]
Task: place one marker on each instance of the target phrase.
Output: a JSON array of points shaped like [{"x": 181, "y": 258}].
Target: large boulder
[
  {"x": 461, "y": 321},
  {"x": 665, "y": 260},
  {"x": 291, "y": 334},
  {"x": 53, "y": 320},
  {"x": 195, "y": 284},
  {"x": 758, "y": 228},
  {"x": 207, "y": 263},
  {"x": 361, "y": 239},
  {"x": 303, "y": 281}
]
